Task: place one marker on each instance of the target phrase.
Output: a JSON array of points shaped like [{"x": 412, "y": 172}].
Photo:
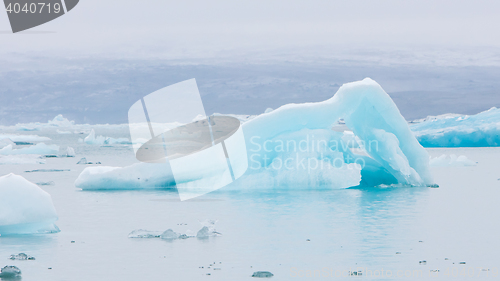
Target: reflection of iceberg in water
[
  {"x": 357, "y": 226},
  {"x": 391, "y": 154}
]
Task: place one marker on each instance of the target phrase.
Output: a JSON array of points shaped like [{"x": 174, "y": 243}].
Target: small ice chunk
[
  {"x": 10, "y": 272},
  {"x": 268, "y": 110},
  {"x": 21, "y": 257},
  {"x": 70, "y": 152},
  {"x": 84, "y": 161},
  {"x": 45, "y": 183},
  {"x": 208, "y": 229},
  {"x": 170, "y": 234},
  {"x": 141, "y": 233},
  {"x": 24, "y": 138},
  {"x": 203, "y": 233},
  {"x": 262, "y": 274}
]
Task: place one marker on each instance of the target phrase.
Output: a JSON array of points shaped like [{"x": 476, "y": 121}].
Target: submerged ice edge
[{"x": 367, "y": 110}]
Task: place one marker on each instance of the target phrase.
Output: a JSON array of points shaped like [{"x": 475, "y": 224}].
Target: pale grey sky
[
  {"x": 92, "y": 64},
  {"x": 209, "y": 28}
]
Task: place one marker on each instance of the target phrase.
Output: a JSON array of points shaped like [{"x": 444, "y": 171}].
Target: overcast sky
[{"x": 209, "y": 28}]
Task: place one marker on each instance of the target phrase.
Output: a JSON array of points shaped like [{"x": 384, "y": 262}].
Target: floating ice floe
[
  {"x": 451, "y": 161},
  {"x": 23, "y": 138},
  {"x": 25, "y": 208},
  {"x": 453, "y": 130},
  {"x": 47, "y": 170},
  {"x": 39, "y": 148},
  {"x": 262, "y": 274},
  {"x": 277, "y": 157},
  {"x": 22, "y": 257},
  {"x": 84, "y": 161},
  {"x": 141, "y": 233},
  {"x": 21, "y": 159},
  {"x": 101, "y": 140},
  {"x": 27, "y": 128},
  {"x": 42, "y": 183},
  {"x": 208, "y": 230},
  {"x": 10, "y": 272},
  {"x": 137, "y": 176}
]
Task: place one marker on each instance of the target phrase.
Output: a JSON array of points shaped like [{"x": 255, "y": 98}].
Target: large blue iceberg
[
  {"x": 478, "y": 130},
  {"x": 357, "y": 137}
]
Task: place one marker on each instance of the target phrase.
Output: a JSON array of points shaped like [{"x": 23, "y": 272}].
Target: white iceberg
[
  {"x": 24, "y": 207},
  {"x": 102, "y": 140},
  {"x": 451, "y": 161},
  {"x": 39, "y": 148},
  {"x": 60, "y": 121},
  {"x": 318, "y": 157},
  {"x": 24, "y": 138},
  {"x": 21, "y": 159},
  {"x": 70, "y": 152},
  {"x": 452, "y": 130}
]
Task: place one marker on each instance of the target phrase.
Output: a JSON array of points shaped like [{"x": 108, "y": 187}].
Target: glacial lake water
[{"x": 295, "y": 234}]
